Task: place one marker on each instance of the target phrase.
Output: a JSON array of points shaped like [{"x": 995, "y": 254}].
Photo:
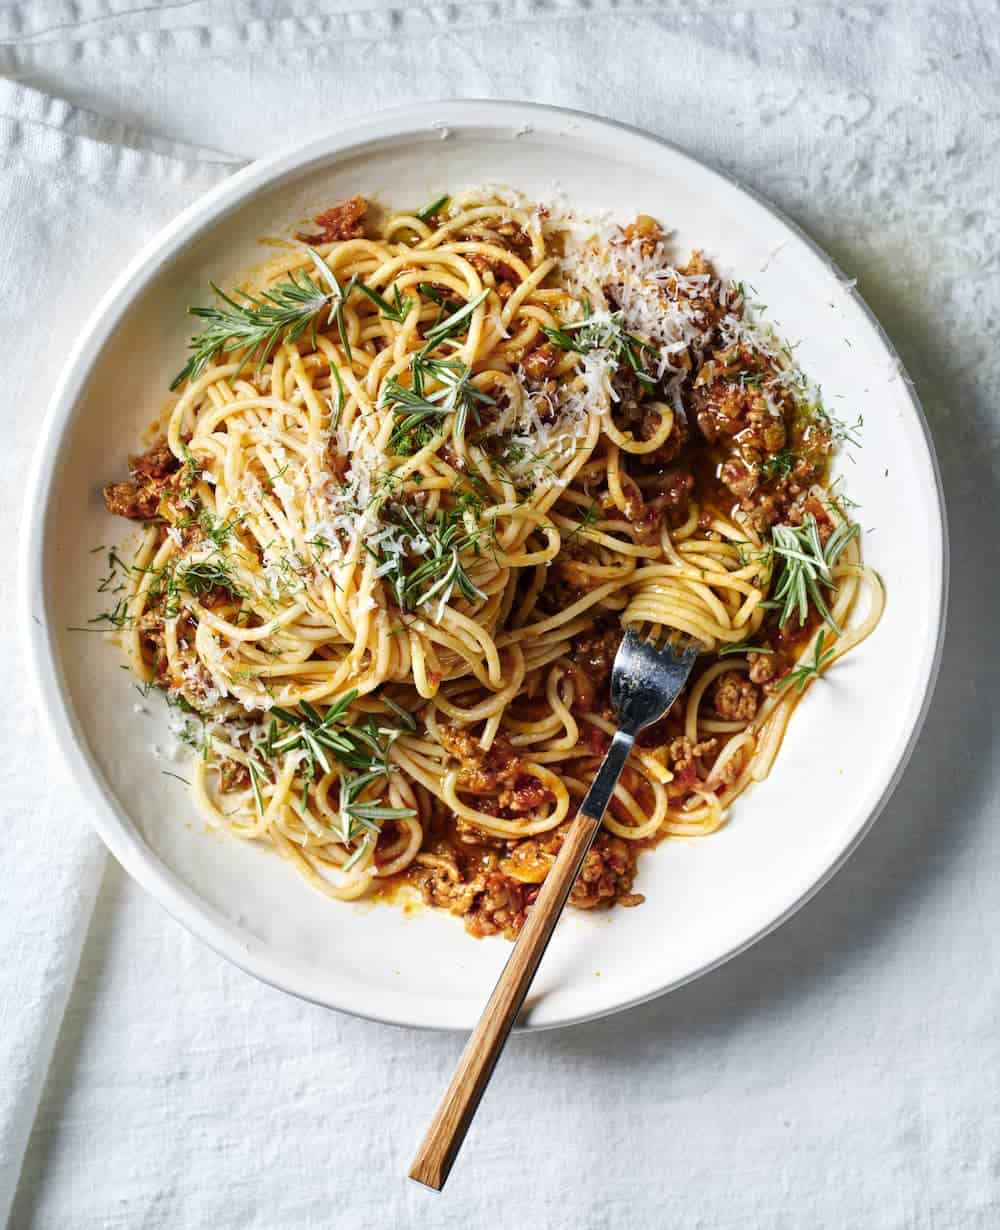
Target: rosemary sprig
[
  {"x": 592, "y": 333},
  {"x": 338, "y": 409},
  {"x": 257, "y": 774},
  {"x": 456, "y": 395},
  {"x": 318, "y": 738},
  {"x": 360, "y": 821},
  {"x": 743, "y": 647},
  {"x": 804, "y": 566},
  {"x": 455, "y": 323},
  {"x": 321, "y": 737},
  {"x": 444, "y": 304},
  {"x": 397, "y": 312},
  {"x": 282, "y": 313},
  {"x": 441, "y": 571},
  {"x": 453, "y": 576},
  {"x": 803, "y": 672},
  {"x": 408, "y": 720},
  {"x": 412, "y": 411},
  {"x": 431, "y": 292}
]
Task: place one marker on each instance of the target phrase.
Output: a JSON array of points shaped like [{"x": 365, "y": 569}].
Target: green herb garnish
[
  {"x": 778, "y": 465},
  {"x": 456, "y": 395},
  {"x": 455, "y": 323},
  {"x": 198, "y": 578},
  {"x": 435, "y": 296},
  {"x": 338, "y": 409},
  {"x": 259, "y": 323},
  {"x": 397, "y": 312},
  {"x": 592, "y": 333},
  {"x": 803, "y": 672},
  {"x": 805, "y": 568},
  {"x": 325, "y": 737},
  {"x": 433, "y": 208},
  {"x": 587, "y": 519},
  {"x": 440, "y": 572}
]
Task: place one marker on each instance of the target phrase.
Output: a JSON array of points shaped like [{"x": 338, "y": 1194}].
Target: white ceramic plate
[{"x": 706, "y": 899}]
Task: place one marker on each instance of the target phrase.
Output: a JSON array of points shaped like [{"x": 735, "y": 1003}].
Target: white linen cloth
[
  {"x": 842, "y": 1073},
  {"x": 78, "y": 194}
]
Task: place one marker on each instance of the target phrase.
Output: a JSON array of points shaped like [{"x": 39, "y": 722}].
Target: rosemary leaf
[{"x": 433, "y": 208}]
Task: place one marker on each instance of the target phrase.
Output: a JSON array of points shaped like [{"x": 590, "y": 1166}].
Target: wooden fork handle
[{"x": 447, "y": 1131}]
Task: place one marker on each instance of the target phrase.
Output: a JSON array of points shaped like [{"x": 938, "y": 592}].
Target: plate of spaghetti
[{"x": 361, "y": 470}]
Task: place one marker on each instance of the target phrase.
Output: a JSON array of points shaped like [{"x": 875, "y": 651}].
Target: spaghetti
[{"x": 410, "y": 491}]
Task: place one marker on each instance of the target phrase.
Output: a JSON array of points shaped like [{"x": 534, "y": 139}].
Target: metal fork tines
[{"x": 647, "y": 677}]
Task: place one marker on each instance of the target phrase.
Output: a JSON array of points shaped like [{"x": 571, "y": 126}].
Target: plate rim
[{"x": 104, "y": 813}]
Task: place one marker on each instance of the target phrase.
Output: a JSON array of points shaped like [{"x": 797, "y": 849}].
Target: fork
[{"x": 646, "y": 679}]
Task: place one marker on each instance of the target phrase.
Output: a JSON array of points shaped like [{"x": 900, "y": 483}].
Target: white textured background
[{"x": 846, "y": 1071}]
